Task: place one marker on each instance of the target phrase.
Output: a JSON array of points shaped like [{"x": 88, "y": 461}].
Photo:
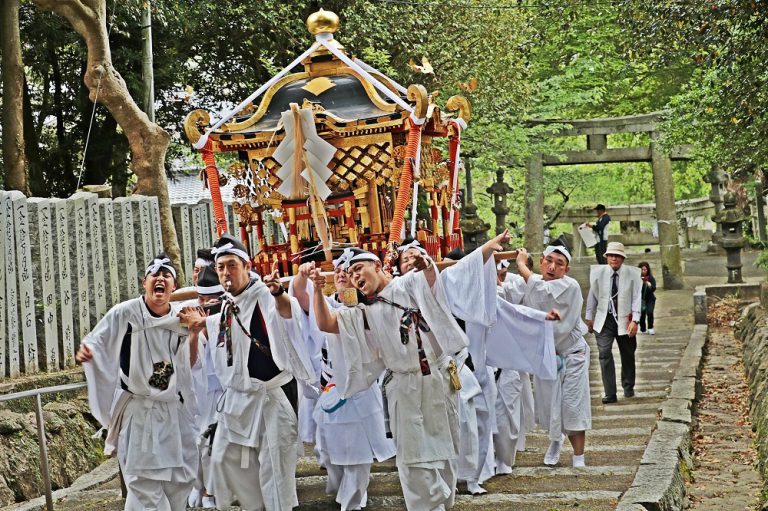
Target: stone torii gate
[{"x": 597, "y": 132}]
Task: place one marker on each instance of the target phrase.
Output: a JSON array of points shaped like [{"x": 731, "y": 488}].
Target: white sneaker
[
  {"x": 578, "y": 461},
  {"x": 209, "y": 502},
  {"x": 475, "y": 489},
  {"x": 553, "y": 453},
  {"x": 503, "y": 469},
  {"x": 194, "y": 498},
  {"x": 651, "y": 332}
]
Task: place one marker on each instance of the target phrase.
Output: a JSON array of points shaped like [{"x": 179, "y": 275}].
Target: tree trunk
[
  {"x": 14, "y": 156},
  {"x": 148, "y": 141}
]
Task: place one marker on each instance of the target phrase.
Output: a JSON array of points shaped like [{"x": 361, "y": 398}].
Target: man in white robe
[
  {"x": 350, "y": 432},
  {"x": 258, "y": 356},
  {"x": 562, "y": 405},
  {"x": 408, "y": 328},
  {"x": 137, "y": 364},
  {"x": 208, "y": 389},
  {"x": 471, "y": 290}
]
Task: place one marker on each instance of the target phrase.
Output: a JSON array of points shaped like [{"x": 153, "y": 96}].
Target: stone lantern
[
  {"x": 730, "y": 219},
  {"x": 717, "y": 178},
  {"x": 499, "y": 190}
]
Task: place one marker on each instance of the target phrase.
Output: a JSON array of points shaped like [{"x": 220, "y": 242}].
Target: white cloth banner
[{"x": 588, "y": 236}]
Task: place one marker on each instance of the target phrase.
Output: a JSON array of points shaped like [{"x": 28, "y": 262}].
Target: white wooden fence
[{"x": 67, "y": 261}]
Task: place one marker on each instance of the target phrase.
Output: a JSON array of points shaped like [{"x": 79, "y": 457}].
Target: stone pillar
[
  {"x": 98, "y": 262},
  {"x": 154, "y": 216},
  {"x": 499, "y": 189},
  {"x": 124, "y": 225},
  {"x": 26, "y": 292},
  {"x": 6, "y": 232},
  {"x": 116, "y": 276},
  {"x": 760, "y": 207},
  {"x": 78, "y": 219},
  {"x": 671, "y": 260},
  {"x": 142, "y": 223},
  {"x": 534, "y": 205},
  {"x": 41, "y": 216},
  {"x": 64, "y": 271},
  {"x": 184, "y": 233}
]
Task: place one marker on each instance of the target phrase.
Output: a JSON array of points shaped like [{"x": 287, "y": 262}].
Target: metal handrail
[{"x": 36, "y": 393}]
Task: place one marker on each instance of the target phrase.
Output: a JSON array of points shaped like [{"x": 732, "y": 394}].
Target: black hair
[{"x": 644, "y": 264}]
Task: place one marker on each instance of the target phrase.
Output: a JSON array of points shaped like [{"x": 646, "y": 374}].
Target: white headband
[
  {"x": 359, "y": 257},
  {"x": 413, "y": 244},
  {"x": 559, "y": 249},
  {"x": 342, "y": 258},
  {"x": 229, "y": 248},
  {"x": 202, "y": 262},
  {"x": 211, "y": 290},
  {"x": 159, "y": 264}
]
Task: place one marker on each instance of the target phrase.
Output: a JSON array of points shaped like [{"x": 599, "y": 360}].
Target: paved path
[{"x": 614, "y": 446}]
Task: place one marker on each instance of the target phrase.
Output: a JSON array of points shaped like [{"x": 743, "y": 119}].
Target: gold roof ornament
[{"x": 323, "y": 22}]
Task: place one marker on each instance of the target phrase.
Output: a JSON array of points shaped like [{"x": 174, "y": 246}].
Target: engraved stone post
[
  {"x": 154, "y": 218},
  {"x": 109, "y": 251},
  {"x": 98, "y": 262},
  {"x": 199, "y": 224},
  {"x": 11, "y": 287},
  {"x": 4, "y": 304},
  {"x": 127, "y": 252},
  {"x": 64, "y": 272},
  {"x": 78, "y": 216},
  {"x": 26, "y": 288},
  {"x": 143, "y": 229},
  {"x": 41, "y": 218},
  {"x": 184, "y": 232}
]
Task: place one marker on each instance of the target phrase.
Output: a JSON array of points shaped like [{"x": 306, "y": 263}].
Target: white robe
[
  {"x": 255, "y": 449},
  {"x": 422, "y": 408},
  {"x": 563, "y": 405},
  {"x": 156, "y": 443},
  {"x": 500, "y": 335}
]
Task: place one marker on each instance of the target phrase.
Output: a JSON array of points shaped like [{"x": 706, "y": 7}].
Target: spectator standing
[
  {"x": 648, "y": 298},
  {"x": 601, "y": 230}
]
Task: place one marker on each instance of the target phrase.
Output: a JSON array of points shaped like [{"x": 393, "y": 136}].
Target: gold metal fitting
[{"x": 322, "y": 21}]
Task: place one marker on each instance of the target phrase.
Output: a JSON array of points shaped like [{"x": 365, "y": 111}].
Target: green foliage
[{"x": 723, "y": 105}]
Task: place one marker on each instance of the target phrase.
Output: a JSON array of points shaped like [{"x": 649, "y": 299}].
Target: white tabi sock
[
  {"x": 553, "y": 453},
  {"x": 578, "y": 461}
]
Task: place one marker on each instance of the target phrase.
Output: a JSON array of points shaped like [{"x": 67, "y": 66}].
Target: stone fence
[{"x": 67, "y": 261}]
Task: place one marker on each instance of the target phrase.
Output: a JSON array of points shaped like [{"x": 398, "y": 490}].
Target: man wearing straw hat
[{"x": 613, "y": 310}]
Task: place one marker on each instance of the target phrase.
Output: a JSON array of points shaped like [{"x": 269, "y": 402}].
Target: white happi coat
[
  {"x": 422, "y": 408},
  {"x": 354, "y": 433},
  {"x": 565, "y": 405},
  {"x": 156, "y": 435},
  {"x": 251, "y": 414}
]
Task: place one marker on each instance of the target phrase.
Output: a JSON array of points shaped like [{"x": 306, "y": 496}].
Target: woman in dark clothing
[{"x": 648, "y": 297}]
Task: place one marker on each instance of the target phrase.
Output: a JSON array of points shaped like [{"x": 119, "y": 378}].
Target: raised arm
[
  {"x": 300, "y": 285},
  {"x": 495, "y": 245},
  {"x": 325, "y": 319},
  {"x": 282, "y": 300},
  {"x": 522, "y": 264}
]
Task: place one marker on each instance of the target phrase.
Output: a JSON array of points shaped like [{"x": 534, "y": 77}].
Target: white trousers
[
  {"x": 563, "y": 405},
  {"x": 427, "y": 488},
  {"x": 349, "y": 483},
  {"x": 254, "y": 486},
  {"x": 152, "y": 495}
]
